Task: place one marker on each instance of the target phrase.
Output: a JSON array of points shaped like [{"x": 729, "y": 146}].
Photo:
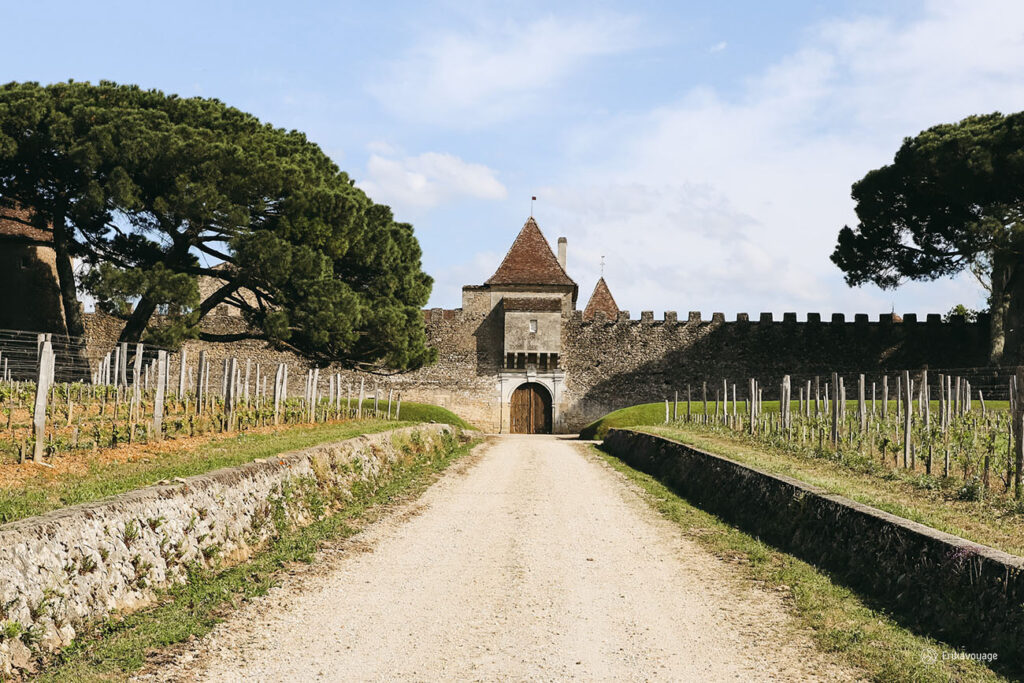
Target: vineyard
[
  {"x": 131, "y": 396},
  {"x": 893, "y": 422}
]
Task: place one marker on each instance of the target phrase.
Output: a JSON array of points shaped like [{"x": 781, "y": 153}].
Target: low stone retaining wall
[
  {"x": 967, "y": 594},
  {"x": 65, "y": 568}
]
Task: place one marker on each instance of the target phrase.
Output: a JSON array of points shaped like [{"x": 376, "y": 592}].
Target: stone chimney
[{"x": 562, "y": 245}]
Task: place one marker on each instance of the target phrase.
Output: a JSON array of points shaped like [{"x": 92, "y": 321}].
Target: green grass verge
[
  {"x": 643, "y": 414},
  {"x": 118, "y": 648},
  {"x": 44, "y": 493},
  {"x": 839, "y": 621},
  {"x": 654, "y": 413},
  {"x": 425, "y": 412}
]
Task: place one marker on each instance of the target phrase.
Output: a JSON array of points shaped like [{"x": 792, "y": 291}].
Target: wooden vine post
[
  {"x": 862, "y": 408},
  {"x": 182, "y": 372},
  {"x": 158, "y": 400},
  {"x": 43, "y": 383},
  {"x": 362, "y": 394},
  {"x": 201, "y": 384},
  {"x": 1018, "y": 427},
  {"x": 908, "y": 415},
  {"x": 278, "y": 382},
  {"x": 835, "y": 409}
]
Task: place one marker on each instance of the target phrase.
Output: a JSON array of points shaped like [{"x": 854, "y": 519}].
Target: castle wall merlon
[{"x": 839, "y": 322}]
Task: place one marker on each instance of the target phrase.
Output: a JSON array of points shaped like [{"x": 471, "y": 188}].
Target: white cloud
[
  {"x": 383, "y": 148},
  {"x": 735, "y": 202},
  {"x": 496, "y": 72},
  {"x": 718, "y": 47},
  {"x": 428, "y": 179}
]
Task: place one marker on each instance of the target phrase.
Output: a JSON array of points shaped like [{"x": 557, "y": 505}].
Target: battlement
[
  {"x": 436, "y": 315},
  {"x": 907, "y": 320}
]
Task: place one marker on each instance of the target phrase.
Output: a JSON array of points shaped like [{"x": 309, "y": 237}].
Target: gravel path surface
[{"x": 532, "y": 561}]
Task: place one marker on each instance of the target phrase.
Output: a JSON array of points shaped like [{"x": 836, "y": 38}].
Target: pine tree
[{"x": 150, "y": 189}]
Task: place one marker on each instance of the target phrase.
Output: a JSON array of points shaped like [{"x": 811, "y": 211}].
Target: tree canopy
[
  {"x": 952, "y": 199},
  {"x": 150, "y": 189}
]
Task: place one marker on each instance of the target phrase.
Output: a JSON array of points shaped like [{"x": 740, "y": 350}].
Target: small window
[{"x": 533, "y": 326}]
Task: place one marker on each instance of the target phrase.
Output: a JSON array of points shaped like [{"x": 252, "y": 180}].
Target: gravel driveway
[{"x": 532, "y": 560}]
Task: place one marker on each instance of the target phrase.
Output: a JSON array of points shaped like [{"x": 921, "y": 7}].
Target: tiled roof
[
  {"x": 531, "y": 303},
  {"x": 601, "y": 300},
  {"x": 530, "y": 261},
  {"x": 17, "y": 223}
]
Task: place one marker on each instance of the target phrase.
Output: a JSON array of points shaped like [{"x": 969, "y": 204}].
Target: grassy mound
[
  {"x": 425, "y": 412},
  {"x": 644, "y": 414}
]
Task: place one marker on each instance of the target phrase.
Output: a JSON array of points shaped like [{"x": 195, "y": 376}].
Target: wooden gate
[{"x": 531, "y": 410}]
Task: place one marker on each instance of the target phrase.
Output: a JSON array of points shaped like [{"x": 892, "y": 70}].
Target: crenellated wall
[{"x": 612, "y": 364}]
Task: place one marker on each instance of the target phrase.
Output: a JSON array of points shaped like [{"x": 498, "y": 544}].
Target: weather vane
[
  {"x": 532, "y": 200},
  {"x": 602, "y": 266}
]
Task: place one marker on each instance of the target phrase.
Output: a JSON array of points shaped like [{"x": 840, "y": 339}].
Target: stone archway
[{"x": 531, "y": 409}]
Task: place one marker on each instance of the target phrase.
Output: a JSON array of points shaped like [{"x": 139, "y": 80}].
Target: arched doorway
[{"x": 531, "y": 409}]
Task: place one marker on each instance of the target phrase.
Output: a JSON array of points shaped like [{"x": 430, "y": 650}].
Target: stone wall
[
  {"x": 961, "y": 592},
  {"x": 612, "y": 364},
  {"x": 28, "y": 279},
  {"x": 463, "y": 379},
  {"x": 63, "y": 569}
]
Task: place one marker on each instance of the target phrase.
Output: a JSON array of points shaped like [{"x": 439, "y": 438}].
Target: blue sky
[{"x": 705, "y": 149}]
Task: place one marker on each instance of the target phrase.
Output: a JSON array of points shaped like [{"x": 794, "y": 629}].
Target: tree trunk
[
  {"x": 211, "y": 302},
  {"x": 138, "y": 320},
  {"x": 1007, "y": 309},
  {"x": 73, "y": 318},
  {"x": 144, "y": 310}
]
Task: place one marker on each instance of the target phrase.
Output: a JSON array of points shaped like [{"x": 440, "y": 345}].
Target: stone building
[
  {"x": 520, "y": 356},
  {"x": 28, "y": 276},
  {"x": 527, "y": 298}
]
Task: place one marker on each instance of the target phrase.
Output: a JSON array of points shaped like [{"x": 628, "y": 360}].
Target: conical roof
[
  {"x": 530, "y": 261},
  {"x": 601, "y": 300}
]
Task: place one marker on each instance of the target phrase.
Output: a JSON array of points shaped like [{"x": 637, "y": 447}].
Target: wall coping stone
[{"x": 955, "y": 589}]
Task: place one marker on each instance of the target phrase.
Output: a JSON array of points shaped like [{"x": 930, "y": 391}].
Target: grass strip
[
  {"x": 654, "y": 413},
  {"x": 994, "y": 521},
  {"x": 44, "y": 492},
  {"x": 118, "y": 647},
  {"x": 839, "y": 621}
]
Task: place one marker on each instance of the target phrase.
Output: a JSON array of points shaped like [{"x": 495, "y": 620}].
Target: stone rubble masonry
[
  {"x": 961, "y": 592},
  {"x": 612, "y": 364},
  {"x": 28, "y": 275},
  {"x": 615, "y": 363},
  {"x": 63, "y": 569}
]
